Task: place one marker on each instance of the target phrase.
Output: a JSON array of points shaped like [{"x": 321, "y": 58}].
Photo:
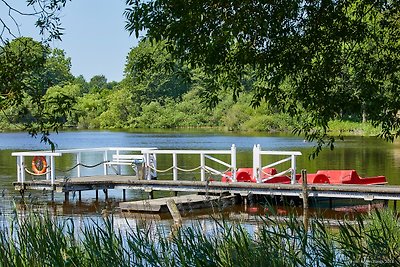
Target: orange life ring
[{"x": 39, "y": 164}]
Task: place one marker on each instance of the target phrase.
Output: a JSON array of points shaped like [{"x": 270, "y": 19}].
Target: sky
[{"x": 94, "y": 36}]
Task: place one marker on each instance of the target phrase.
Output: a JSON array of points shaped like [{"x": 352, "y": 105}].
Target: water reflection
[{"x": 369, "y": 156}]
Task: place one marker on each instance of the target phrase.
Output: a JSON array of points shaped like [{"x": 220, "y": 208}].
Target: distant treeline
[{"x": 157, "y": 92}]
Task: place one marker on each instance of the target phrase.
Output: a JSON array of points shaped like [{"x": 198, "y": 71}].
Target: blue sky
[{"x": 94, "y": 36}]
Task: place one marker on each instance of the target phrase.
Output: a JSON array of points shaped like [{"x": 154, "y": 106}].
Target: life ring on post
[{"x": 39, "y": 164}]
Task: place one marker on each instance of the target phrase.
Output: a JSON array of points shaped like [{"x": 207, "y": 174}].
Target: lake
[{"x": 368, "y": 155}]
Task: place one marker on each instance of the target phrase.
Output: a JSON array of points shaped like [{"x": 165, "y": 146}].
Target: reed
[{"x": 38, "y": 239}]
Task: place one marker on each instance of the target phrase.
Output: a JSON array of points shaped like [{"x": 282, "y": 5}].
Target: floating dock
[{"x": 183, "y": 203}]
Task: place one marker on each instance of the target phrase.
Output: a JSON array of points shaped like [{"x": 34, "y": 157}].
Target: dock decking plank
[{"x": 366, "y": 192}]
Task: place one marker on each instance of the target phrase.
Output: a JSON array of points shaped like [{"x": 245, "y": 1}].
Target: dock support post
[
  {"x": 66, "y": 197},
  {"x": 124, "y": 194},
  {"x": 53, "y": 190},
  {"x": 80, "y": 196},
  {"x": 395, "y": 205},
  {"x": 97, "y": 195},
  {"x": 386, "y": 203},
  {"x": 305, "y": 198},
  {"x": 105, "y": 194}
]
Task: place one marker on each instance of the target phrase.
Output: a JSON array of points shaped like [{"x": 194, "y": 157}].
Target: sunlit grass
[
  {"x": 349, "y": 128},
  {"x": 39, "y": 239}
]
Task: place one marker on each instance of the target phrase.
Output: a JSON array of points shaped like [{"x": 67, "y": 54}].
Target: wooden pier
[{"x": 143, "y": 162}]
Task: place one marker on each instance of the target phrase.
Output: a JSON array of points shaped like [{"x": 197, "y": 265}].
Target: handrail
[
  {"x": 257, "y": 166},
  {"x": 150, "y": 161},
  {"x": 204, "y": 154},
  {"x": 50, "y": 157}
]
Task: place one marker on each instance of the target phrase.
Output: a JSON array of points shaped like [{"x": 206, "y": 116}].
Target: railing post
[
  {"x": 233, "y": 162},
  {"x": 50, "y": 166},
  {"x": 20, "y": 169},
  {"x": 118, "y": 166},
  {"x": 257, "y": 163},
  {"x": 105, "y": 158},
  {"x": 153, "y": 172},
  {"x": 202, "y": 167},
  {"x": 293, "y": 167},
  {"x": 52, "y": 169},
  {"x": 174, "y": 166},
  {"x": 147, "y": 166},
  {"x": 78, "y": 162}
]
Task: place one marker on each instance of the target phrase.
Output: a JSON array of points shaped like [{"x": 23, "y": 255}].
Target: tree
[
  {"x": 58, "y": 68},
  {"x": 312, "y": 59},
  {"x": 153, "y": 75},
  {"x": 27, "y": 69},
  {"x": 98, "y": 83}
]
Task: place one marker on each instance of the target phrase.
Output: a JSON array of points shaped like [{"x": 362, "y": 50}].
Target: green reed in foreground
[{"x": 43, "y": 240}]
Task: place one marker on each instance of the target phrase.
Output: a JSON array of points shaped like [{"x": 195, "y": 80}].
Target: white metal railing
[
  {"x": 51, "y": 156},
  {"x": 204, "y": 154},
  {"x": 257, "y": 163},
  {"x": 118, "y": 159}
]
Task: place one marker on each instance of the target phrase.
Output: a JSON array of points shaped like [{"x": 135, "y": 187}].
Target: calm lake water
[{"x": 369, "y": 156}]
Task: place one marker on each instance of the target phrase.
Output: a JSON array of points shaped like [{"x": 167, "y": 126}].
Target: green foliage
[
  {"x": 318, "y": 59},
  {"x": 153, "y": 75},
  {"x": 45, "y": 12},
  {"x": 58, "y": 68},
  {"x": 154, "y": 94},
  {"x": 27, "y": 70},
  {"x": 98, "y": 83},
  {"x": 120, "y": 110}
]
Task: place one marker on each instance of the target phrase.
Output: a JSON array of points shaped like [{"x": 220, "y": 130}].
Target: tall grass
[{"x": 43, "y": 240}]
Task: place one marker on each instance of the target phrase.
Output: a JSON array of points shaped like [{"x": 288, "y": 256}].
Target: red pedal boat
[{"x": 268, "y": 175}]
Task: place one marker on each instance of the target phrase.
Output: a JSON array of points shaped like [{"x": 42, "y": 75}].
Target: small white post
[
  {"x": 49, "y": 166},
  {"x": 105, "y": 158},
  {"x": 78, "y": 162},
  {"x": 52, "y": 169},
  {"x": 147, "y": 166},
  {"x": 22, "y": 166},
  {"x": 202, "y": 167},
  {"x": 257, "y": 163},
  {"x": 154, "y": 165},
  {"x": 118, "y": 166},
  {"x": 233, "y": 162},
  {"x": 293, "y": 167},
  {"x": 18, "y": 169},
  {"x": 174, "y": 166}
]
